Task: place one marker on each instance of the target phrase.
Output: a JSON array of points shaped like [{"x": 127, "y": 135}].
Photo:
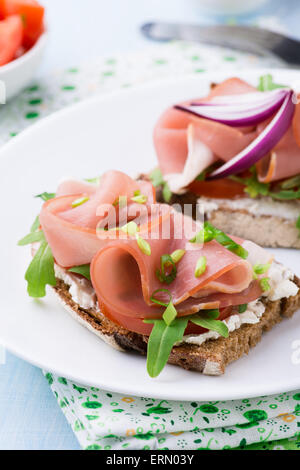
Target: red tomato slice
[
  {"x": 138, "y": 326},
  {"x": 32, "y": 14},
  {"x": 222, "y": 188},
  {"x": 11, "y": 33}
]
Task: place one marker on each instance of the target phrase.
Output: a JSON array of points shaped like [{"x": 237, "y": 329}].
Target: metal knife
[{"x": 244, "y": 38}]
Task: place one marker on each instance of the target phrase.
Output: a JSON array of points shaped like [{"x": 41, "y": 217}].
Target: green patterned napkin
[{"x": 103, "y": 420}]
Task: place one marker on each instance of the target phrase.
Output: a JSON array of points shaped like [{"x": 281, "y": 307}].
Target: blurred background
[{"x": 82, "y": 30}]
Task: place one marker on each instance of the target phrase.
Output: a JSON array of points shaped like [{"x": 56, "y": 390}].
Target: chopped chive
[
  {"x": 131, "y": 228},
  {"x": 242, "y": 308},
  {"x": 166, "y": 261},
  {"x": 169, "y": 314},
  {"x": 79, "y": 201},
  {"x": 177, "y": 255},
  {"x": 261, "y": 268},
  {"x": 143, "y": 245},
  {"x": 265, "y": 284},
  {"x": 137, "y": 192},
  {"x": 140, "y": 199},
  {"x": 159, "y": 302},
  {"x": 46, "y": 196},
  {"x": 95, "y": 180},
  {"x": 200, "y": 266},
  {"x": 121, "y": 201}
]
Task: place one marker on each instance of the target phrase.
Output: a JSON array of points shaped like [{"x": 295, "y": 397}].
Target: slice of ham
[
  {"x": 71, "y": 232},
  {"x": 283, "y": 161},
  {"x": 178, "y": 153},
  {"x": 173, "y": 147},
  {"x": 124, "y": 278}
]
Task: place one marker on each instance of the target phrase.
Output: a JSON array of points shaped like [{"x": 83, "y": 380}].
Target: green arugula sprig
[
  {"x": 170, "y": 330},
  {"x": 40, "y": 271},
  {"x": 156, "y": 178},
  {"x": 298, "y": 225},
  {"x": 83, "y": 270},
  {"x": 209, "y": 232}
]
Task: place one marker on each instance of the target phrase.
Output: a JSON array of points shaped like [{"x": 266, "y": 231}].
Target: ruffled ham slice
[
  {"x": 72, "y": 232},
  {"x": 180, "y": 166},
  {"x": 184, "y": 150},
  {"x": 124, "y": 277}
]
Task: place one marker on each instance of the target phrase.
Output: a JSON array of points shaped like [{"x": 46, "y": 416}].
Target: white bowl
[{"x": 17, "y": 74}]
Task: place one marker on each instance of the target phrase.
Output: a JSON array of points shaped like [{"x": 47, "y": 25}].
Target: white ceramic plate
[{"x": 83, "y": 141}]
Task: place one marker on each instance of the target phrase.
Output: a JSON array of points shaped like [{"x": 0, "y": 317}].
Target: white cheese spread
[
  {"x": 281, "y": 283},
  {"x": 81, "y": 289},
  {"x": 266, "y": 206},
  {"x": 281, "y": 286}
]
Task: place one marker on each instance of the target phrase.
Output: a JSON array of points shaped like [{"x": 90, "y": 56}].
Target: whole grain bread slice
[
  {"x": 210, "y": 358},
  {"x": 272, "y": 231},
  {"x": 265, "y": 230}
]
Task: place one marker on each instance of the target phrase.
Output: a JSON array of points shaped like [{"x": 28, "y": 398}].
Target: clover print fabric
[
  {"x": 102, "y": 420},
  {"x": 69, "y": 86}
]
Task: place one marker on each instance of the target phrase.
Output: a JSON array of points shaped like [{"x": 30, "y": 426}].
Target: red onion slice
[
  {"x": 263, "y": 144},
  {"x": 246, "y": 113}
]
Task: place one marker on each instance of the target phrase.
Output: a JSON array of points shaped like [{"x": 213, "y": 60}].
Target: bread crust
[{"x": 210, "y": 358}]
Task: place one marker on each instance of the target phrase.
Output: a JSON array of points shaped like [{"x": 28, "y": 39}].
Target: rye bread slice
[
  {"x": 210, "y": 358},
  {"x": 265, "y": 230}
]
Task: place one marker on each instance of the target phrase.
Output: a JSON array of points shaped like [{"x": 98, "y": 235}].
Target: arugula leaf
[
  {"x": 206, "y": 321},
  {"x": 286, "y": 195},
  {"x": 157, "y": 179},
  {"x": 161, "y": 341},
  {"x": 32, "y": 237},
  {"x": 167, "y": 193},
  {"x": 40, "y": 271},
  {"x": 35, "y": 224},
  {"x": 291, "y": 182},
  {"x": 266, "y": 83},
  {"x": 242, "y": 308},
  {"x": 83, "y": 269},
  {"x": 298, "y": 224},
  {"x": 252, "y": 186},
  {"x": 46, "y": 196}
]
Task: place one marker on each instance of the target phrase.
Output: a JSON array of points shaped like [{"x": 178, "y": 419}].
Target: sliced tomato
[
  {"x": 32, "y": 14},
  {"x": 138, "y": 326},
  {"x": 2, "y": 9},
  {"x": 11, "y": 32},
  {"x": 222, "y": 188}
]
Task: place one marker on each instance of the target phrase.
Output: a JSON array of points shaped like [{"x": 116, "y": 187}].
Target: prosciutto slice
[
  {"x": 123, "y": 275},
  {"x": 182, "y": 158},
  {"x": 72, "y": 232},
  {"x": 173, "y": 143}
]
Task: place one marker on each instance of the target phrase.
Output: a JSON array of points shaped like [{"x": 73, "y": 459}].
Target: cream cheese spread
[
  {"x": 81, "y": 289},
  {"x": 280, "y": 280},
  {"x": 266, "y": 206}
]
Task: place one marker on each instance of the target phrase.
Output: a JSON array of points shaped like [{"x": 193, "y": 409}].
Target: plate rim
[{"x": 60, "y": 114}]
